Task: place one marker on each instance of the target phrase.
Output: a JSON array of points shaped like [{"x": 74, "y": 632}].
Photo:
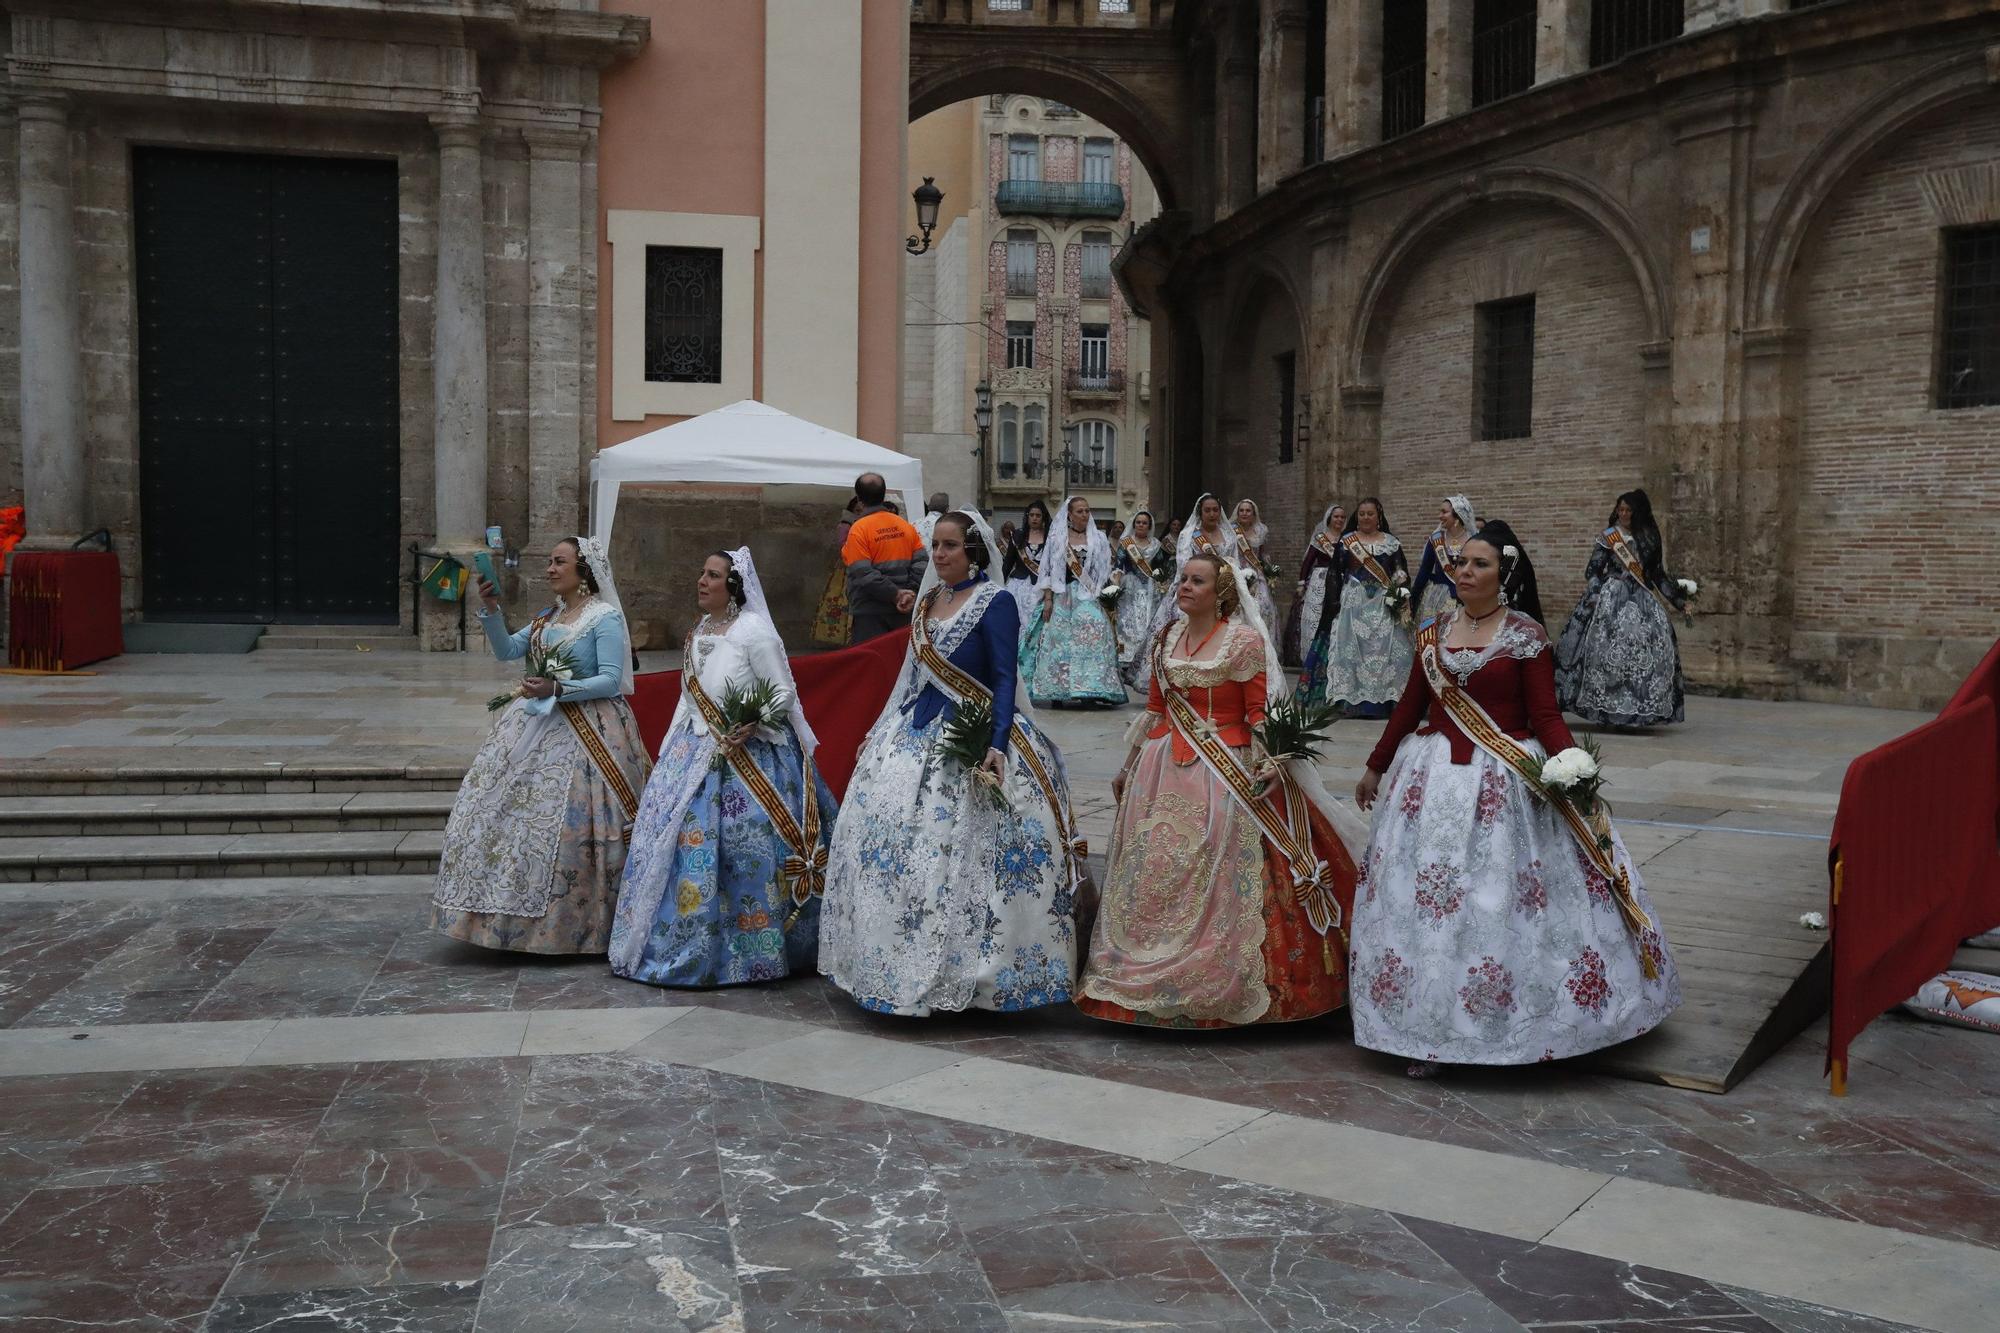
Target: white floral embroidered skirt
[
  {"x": 937, "y": 895},
  {"x": 1482, "y": 934}
]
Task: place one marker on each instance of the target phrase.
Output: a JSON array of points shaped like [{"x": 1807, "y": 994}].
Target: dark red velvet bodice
[{"x": 1518, "y": 693}]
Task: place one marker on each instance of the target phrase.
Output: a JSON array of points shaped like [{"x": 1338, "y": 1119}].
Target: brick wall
[
  {"x": 1556, "y": 486},
  {"x": 1899, "y": 503}
]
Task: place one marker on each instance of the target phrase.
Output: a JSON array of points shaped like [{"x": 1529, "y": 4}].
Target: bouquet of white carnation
[
  {"x": 1576, "y": 777},
  {"x": 1110, "y": 593},
  {"x": 1397, "y": 599},
  {"x": 1690, "y": 591}
]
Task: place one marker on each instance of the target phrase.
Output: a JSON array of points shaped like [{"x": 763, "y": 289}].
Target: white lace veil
[
  {"x": 1185, "y": 547},
  {"x": 1022, "y": 706},
  {"x": 1055, "y": 557},
  {"x": 1326, "y": 522},
  {"x": 753, "y": 601},
  {"x": 1463, "y": 508},
  {"x": 594, "y": 554},
  {"x": 1259, "y": 534},
  {"x": 1152, "y": 536}
]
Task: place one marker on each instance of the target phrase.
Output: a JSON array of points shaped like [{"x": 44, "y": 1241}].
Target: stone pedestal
[{"x": 52, "y": 463}]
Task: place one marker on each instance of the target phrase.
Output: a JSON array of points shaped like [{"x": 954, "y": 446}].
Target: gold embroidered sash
[
  {"x": 961, "y": 687},
  {"x": 600, "y": 755},
  {"x": 1075, "y": 561},
  {"x": 1629, "y": 558},
  {"x": 1446, "y": 560},
  {"x": 1483, "y": 731},
  {"x": 804, "y": 871},
  {"x": 1032, "y": 563},
  {"x": 1352, "y": 541},
  {"x": 1326, "y": 543},
  {"x": 1291, "y": 833},
  {"x": 1143, "y": 563}
]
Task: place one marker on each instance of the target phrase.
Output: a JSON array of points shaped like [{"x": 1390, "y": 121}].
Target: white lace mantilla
[{"x": 1518, "y": 637}]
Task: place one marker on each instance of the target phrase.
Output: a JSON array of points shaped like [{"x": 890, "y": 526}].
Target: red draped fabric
[
  {"x": 1915, "y": 862},
  {"x": 62, "y": 609},
  {"x": 842, "y": 693}
]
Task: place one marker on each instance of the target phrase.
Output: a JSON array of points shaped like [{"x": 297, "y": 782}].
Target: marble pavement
[{"x": 283, "y": 1103}]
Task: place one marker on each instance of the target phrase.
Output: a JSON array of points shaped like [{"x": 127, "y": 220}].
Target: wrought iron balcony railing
[
  {"x": 1094, "y": 381},
  {"x": 1060, "y": 199}
]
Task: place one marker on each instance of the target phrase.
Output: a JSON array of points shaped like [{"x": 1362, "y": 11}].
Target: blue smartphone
[{"x": 483, "y": 562}]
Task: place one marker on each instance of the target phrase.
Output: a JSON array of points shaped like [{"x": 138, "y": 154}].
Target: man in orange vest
[{"x": 885, "y": 561}]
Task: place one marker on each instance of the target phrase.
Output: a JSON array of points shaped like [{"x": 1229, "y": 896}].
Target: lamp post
[
  {"x": 982, "y": 417},
  {"x": 928, "y": 196}
]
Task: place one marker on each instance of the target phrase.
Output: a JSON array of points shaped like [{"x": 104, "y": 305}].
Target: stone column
[
  {"x": 1235, "y": 119},
  {"x": 1448, "y": 56},
  {"x": 459, "y": 350},
  {"x": 1562, "y": 39},
  {"x": 555, "y": 333},
  {"x": 1281, "y": 117},
  {"x": 52, "y": 464},
  {"x": 1353, "y": 75}
]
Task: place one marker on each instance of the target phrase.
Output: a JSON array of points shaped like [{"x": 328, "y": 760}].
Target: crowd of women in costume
[{"x": 1477, "y": 918}]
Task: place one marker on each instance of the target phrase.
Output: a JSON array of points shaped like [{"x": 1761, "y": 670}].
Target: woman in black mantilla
[{"x": 1618, "y": 662}]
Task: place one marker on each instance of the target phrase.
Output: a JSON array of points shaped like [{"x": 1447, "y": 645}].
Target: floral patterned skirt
[
  {"x": 1196, "y": 926},
  {"x": 939, "y": 895},
  {"x": 536, "y": 839},
  {"x": 702, "y": 903},
  {"x": 1483, "y": 934},
  {"x": 1075, "y": 655}
]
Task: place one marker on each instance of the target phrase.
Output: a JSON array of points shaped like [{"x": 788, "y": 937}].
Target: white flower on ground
[
  {"x": 1813, "y": 920},
  {"x": 1569, "y": 768}
]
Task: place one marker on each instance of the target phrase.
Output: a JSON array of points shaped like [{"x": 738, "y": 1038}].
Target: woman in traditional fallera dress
[
  {"x": 1490, "y": 928},
  {"x": 1145, "y": 576},
  {"x": 1317, "y": 596},
  {"x": 1437, "y": 592},
  {"x": 1075, "y": 646},
  {"x": 722, "y": 883},
  {"x": 1368, "y": 651},
  {"x": 1021, "y": 566},
  {"x": 536, "y": 839},
  {"x": 1230, "y": 877},
  {"x": 1618, "y": 663},
  {"x": 943, "y": 892},
  {"x": 1253, "y": 539}
]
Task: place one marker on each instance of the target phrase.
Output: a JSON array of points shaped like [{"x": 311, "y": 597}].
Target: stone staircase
[
  {"x": 371, "y": 638},
  {"x": 136, "y": 823}
]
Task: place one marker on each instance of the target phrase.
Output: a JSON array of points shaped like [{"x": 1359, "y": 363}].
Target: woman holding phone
[{"x": 536, "y": 841}]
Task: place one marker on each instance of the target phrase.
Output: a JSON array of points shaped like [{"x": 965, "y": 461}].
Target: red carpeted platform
[
  {"x": 842, "y": 692},
  {"x": 62, "y": 609}
]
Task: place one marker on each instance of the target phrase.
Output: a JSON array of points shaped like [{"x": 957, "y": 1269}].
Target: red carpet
[{"x": 842, "y": 692}]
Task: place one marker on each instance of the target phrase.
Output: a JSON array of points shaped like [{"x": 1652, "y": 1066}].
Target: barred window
[
  {"x": 1504, "y": 362},
  {"x": 1096, "y": 265},
  {"x": 1094, "y": 355},
  {"x": 1114, "y": 6},
  {"x": 683, "y": 315},
  {"x": 1020, "y": 263},
  {"x": 1008, "y": 6},
  {"x": 1503, "y": 48},
  {"x": 1969, "y": 358},
  {"x": 1096, "y": 461},
  {"x": 1620, "y": 27},
  {"x": 1020, "y": 344},
  {"x": 1405, "y": 44}
]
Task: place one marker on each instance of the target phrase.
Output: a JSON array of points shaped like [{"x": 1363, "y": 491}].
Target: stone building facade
[
  {"x": 1545, "y": 252},
  {"x": 487, "y": 116}
]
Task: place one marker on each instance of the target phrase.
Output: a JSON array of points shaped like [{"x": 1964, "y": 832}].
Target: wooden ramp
[{"x": 1752, "y": 977}]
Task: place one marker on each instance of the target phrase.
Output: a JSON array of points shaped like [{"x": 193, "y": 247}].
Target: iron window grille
[
  {"x": 1404, "y": 56},
  {"x": 683, "y": 315},
  {"x": 1009, "y": 6},
  {"x": 1020, "y": 344},
  {"x": 1094, "y": 356},
  {"x": 1288, "y": 374},
  {"x": 1096, "y": 275},
  {"x": 1114, "y": 6},
  {"x": 1620, "y": 27},
  {"x": 1503, "y": 48},
  {"x": 1020, "y": 263},
  {"x": 1969, "y": 355},
  {"x": 1504, "y": 361}
]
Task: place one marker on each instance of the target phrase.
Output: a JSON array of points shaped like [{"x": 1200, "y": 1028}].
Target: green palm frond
[
  {"x": 1295, "y": 729},
  {"x": 968, "y": 734},
  {"x": 758, "y": 706}
]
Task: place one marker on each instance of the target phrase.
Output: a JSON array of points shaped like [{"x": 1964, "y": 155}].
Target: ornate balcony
[
  {"x": 1094, "y": 384},
  {"x": 1060, "y": 199}
]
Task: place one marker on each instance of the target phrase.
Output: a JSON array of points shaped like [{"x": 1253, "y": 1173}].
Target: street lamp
[
  {"x": 982, "y": 417},
  {"x": 928, "y": 197}
]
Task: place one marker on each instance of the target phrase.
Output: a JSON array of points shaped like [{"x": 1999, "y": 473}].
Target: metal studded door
[{"x": 267, "y": 376}]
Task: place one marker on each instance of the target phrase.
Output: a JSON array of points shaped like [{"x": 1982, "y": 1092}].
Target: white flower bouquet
[
  {"x": 548, "y": 663},
  {"x": 1576, "y": 777},
  {"x": 1689, "y": 591},
  {"x": 1111, "y": 592},
  {"x": 1397, "y": 599}
]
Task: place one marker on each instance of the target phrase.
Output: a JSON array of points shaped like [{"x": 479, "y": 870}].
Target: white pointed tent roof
[{"x": 746, "y": 444}]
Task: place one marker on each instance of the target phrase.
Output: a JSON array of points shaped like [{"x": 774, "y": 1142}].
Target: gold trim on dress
[{"x": 804, "y": 871}]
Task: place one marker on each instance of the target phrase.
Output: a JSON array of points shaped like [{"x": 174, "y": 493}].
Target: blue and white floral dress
[
  {"x": 939, "y": 893},
  {"x": 705, "y": 900}
]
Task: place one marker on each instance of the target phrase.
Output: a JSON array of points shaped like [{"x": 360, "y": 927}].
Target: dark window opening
[
  {"x": 1504, "y": 364},
  {"x": 1969, "y": 351},
  {"x": 683, "y": 315},
  {"x": 1503, "y": 48},
  {"x": 1620, "y": 27},
  {"x": 1288, "y": 365},
  {"x": 1405, "y": 42}
]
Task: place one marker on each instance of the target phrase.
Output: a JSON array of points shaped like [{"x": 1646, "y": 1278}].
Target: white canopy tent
[{"x": 746, "y": 444}]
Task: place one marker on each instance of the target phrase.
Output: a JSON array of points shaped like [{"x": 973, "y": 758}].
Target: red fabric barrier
[
  {"x": 62, "y": 609},
  {"x": 1915, "y": 866},
  {"x": 842, "y": 692},
  {"x": 1984, "y": 683}
]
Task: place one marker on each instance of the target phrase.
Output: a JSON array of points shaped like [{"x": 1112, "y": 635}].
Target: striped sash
[
  {"x": 1615, "y": 540},
  {"x": 804, "y": 871}
]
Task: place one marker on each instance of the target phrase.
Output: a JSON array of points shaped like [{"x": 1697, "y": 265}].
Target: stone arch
[
  {"x": 1009, "y": 70},
  {"x": 1841, "y": 151},
  {"x": 1522, "y": 184}
]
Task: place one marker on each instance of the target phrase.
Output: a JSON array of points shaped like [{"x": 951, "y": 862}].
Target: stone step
[
  {"x": 372, "y": 639},
  {"x": 57, "y": 778},
  {"x": 218, "y": 855},
  {"x": 240, "y": 812}
]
